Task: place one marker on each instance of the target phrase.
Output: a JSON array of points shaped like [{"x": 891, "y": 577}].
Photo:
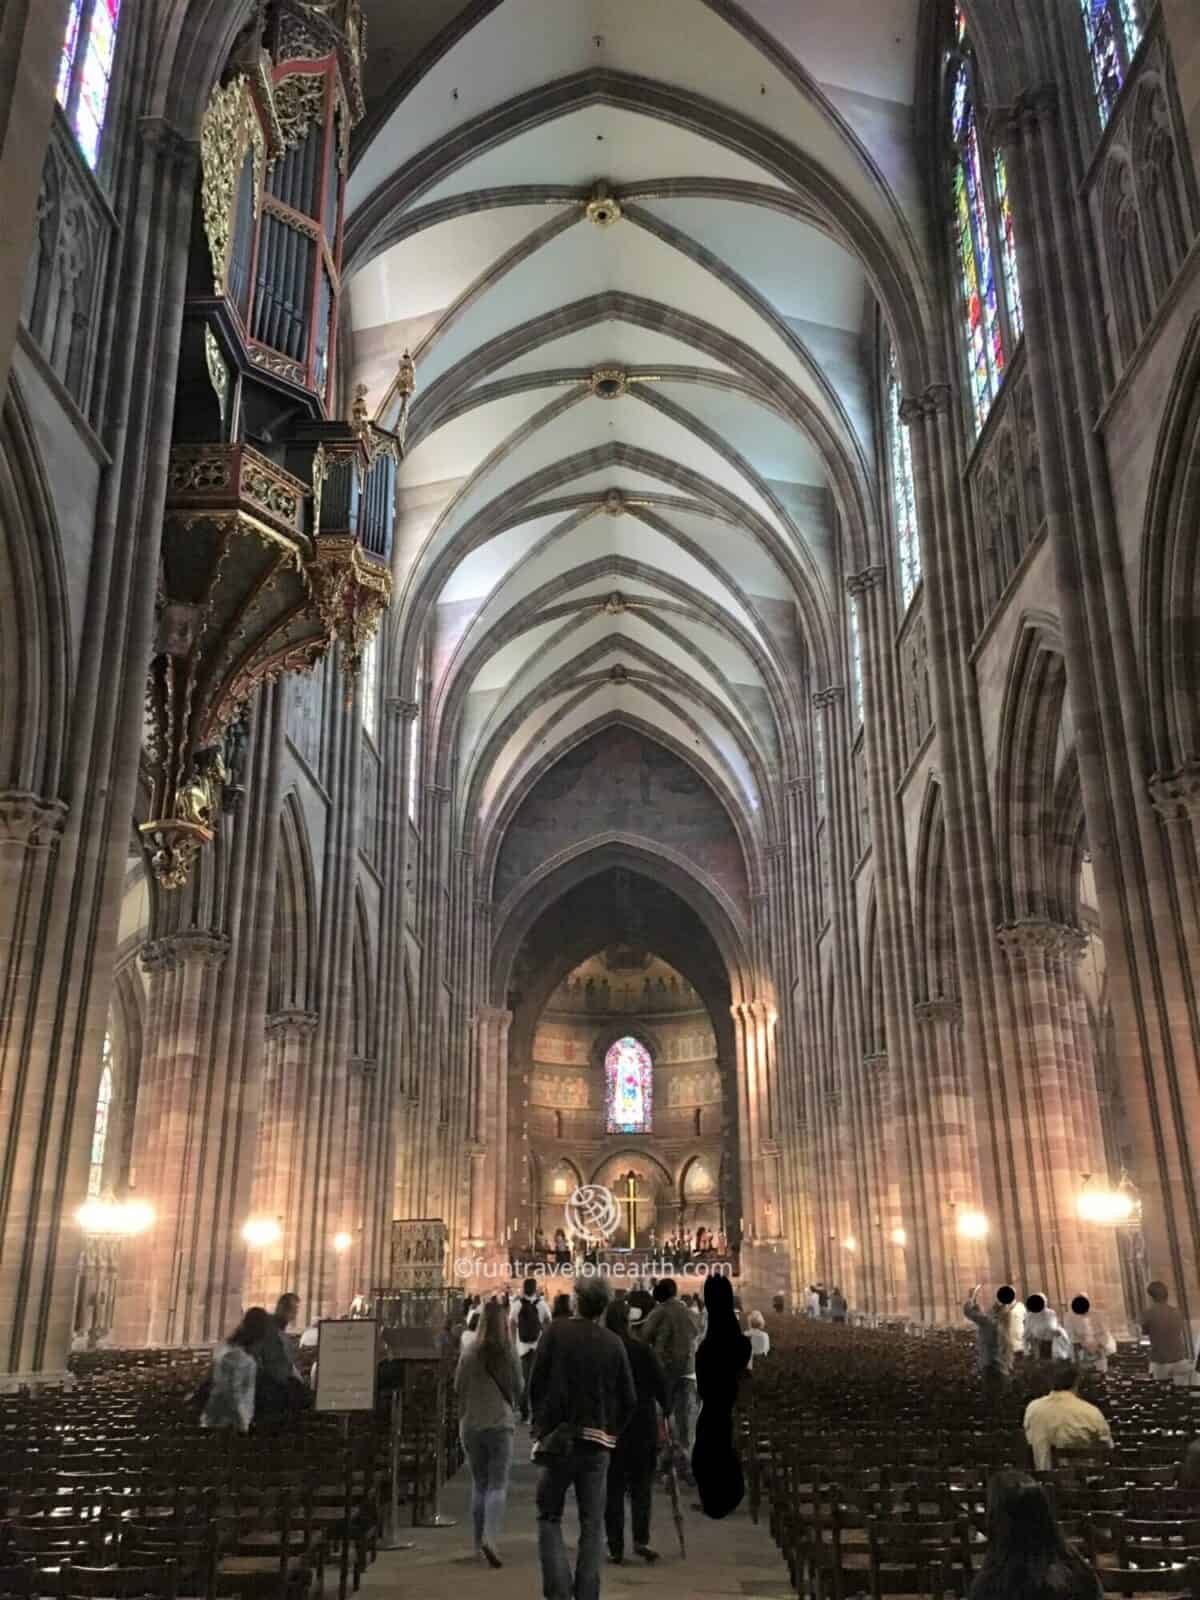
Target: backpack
[{"x": 529, "y": 1324}]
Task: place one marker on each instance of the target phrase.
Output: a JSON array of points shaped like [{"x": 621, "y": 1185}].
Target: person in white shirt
[
  {"x": 1043, "y": 1331},
  {"x": 528, "y": 1315},
  {"x": 471, "y": 1332},
  {"x": 1061, "y": 1419},
  {"x": 1091, "y": 1342},
  {"x": 760, "y": 1339}
]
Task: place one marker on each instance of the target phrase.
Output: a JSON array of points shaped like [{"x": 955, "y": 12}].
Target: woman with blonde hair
[{"x": 488, "y": 1387}]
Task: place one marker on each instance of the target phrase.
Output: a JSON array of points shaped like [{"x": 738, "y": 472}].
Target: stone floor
[{"x": 724, "y": 1558}]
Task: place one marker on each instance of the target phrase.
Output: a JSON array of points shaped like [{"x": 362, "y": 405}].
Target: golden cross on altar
[{"x": 632, "y": 1201}]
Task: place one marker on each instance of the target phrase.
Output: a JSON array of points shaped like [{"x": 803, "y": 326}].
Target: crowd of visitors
[
  {"x": 1011, "y": 1331},
  {"x": 254, "y": 1371},
  {"x": 826, "y": 1305},
  {"x": 676, "y": 1249},
  {"x": 609, "y": 1386}
]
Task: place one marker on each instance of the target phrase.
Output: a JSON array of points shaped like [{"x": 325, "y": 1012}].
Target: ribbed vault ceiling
[{"x": 641, "y": 456}]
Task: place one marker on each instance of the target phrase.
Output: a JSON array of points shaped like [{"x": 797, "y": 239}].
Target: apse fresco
[{"x": 629, "y": 1087}]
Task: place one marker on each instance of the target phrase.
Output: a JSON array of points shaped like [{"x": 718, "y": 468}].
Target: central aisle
[{"x": 724, "y": 1558}]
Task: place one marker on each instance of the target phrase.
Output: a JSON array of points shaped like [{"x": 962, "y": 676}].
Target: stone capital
[
  {"x": 776, "y": 850},
  {"x": 292, "y": 1021},
  {"x": 912, "y": 409},
  {"x": 800, "y": 786},
  {"x": 493, "y": 1016},
  {"x": 933, "y": 400},
  {"x": 943, "y": 1009},
  {"x": 828, "y": 696},
  {"x": 29, "y": 822},
  {"x": 205, "y": 947},
  {"x": 1003, "y": 124},
  {"x": 438, "y": 791},
  {"x": 363, "y": 1066},
  {"x": 752, "y": 1011},
  {"x": 484, "y": 907},
  {"x": 1176, "y": 795},
  {"x": 1038, "y": 104},
  {"x": 833, "y": 1099},
  {"x": 869, "y": 578},
  {"x": 409, "y": 710},
  {"x": 159, "y": 134},
  {"x": 876, "y": 1061},
  {"x": 1031, "y": 936}
]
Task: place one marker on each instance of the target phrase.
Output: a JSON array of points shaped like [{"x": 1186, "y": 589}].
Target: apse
[
  {"x": 625, "y": 1088},
  {"x": 622, "y": 1063}
]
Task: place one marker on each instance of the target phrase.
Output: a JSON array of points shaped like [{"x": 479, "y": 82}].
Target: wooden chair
[
  {"x": 1167, "y": 1583},
  {"x": 20, "y": 1582},
  {"x": 118, "y": 1583}
]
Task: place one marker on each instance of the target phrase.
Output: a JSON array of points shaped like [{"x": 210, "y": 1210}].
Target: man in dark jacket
[
  {"x": 671, "y": 1333},
  {"x": 582, "y": 1395},
  {"x": 640, "y": 1298},
  {"x": 631, "y": 1466}
]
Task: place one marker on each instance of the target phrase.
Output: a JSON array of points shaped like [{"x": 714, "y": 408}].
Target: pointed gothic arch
[{"x": 35, "y": 684}]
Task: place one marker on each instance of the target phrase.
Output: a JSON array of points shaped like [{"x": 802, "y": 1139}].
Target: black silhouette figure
[{"x": 722, "y": 1356}]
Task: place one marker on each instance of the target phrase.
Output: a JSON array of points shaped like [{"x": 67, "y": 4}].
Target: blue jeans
[
  {"x": 586, "y": 1470},
  {"x": 489, "y": 1454}
]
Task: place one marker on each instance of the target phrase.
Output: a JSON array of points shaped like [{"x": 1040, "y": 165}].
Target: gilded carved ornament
[
  {"x": 229, "y": 129},
  {"x": 312, "y": 31},
  {"x": 299, "y": 103}
]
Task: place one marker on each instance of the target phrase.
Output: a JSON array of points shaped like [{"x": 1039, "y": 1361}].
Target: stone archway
[{"x": 567, "y": 915}]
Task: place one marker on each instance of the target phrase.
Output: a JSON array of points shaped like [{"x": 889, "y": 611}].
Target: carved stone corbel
[{"x": 29, "y": 822}]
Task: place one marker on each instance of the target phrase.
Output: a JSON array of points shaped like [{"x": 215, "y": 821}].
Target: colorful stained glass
[
  {"x": 629, "y": 1087},
  {"x": 973, "y": 239},
  {"x": 1113, "y": 29},
  {"x": 100, "y": 1127},
  {"x": 856, "y": 676},
  {"x": 1008, "y": 250},
  {"x": 70, "y": 44},
  {"x": 85, "y": 71},
  {"x": 904, "y": 494},
  {"x": 414, "y": 748}
]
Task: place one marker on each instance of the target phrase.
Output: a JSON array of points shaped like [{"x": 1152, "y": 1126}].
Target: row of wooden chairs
[{"x": 872, "y": 1453}]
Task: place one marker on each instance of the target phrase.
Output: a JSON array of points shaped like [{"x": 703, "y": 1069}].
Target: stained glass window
[
  {"x": 904, "y": 494},
  {"x": 368, "y": 689},
  {"x": 1113, "y": 29},
  {"x": 100, "y": 1127},
  {"x": 414, "y": 747},
  {"x": 856, "y": 677},
  {"x": 982, "y": 218},
  {"x": 85, "y": 70},
  {"x": 629, "y": 1087},
  {"x": 985, "y": 341},
  {"x": 1008, "y": 249}
]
